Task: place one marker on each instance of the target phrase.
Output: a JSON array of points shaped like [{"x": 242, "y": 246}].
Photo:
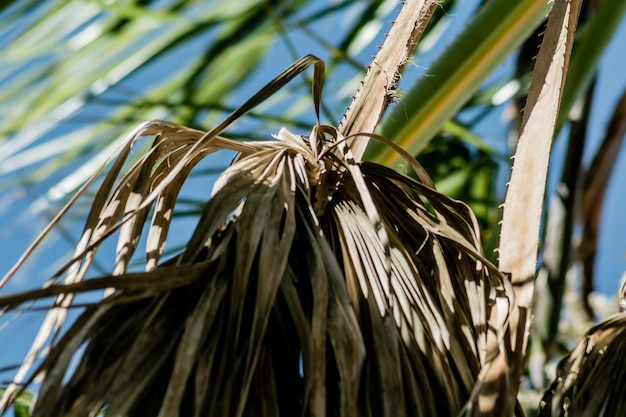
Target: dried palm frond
[
  {"x": 523, "y": 204},
  {"x": 312, "y": 284},
  {"x": 590, "y": 380}
]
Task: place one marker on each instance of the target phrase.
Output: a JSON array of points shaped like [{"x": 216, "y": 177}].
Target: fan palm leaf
[
  {"x": 312, "y": 284},
  {"x": 590, "y": 380}
]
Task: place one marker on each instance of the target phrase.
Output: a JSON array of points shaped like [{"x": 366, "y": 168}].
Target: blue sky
[{"x": 611, "y": 261}]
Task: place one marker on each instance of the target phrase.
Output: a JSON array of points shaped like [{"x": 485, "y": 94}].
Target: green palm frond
[{"x": 311, "y": 284}]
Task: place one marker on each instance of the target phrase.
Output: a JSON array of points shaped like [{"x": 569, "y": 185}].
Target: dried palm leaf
[
  {"x": 312, "y": 284},
  {"x": 522, "y": 208},
  {"x": 590, "y": 380}
]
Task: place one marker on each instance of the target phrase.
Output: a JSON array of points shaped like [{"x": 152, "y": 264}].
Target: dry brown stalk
[
  {"x": 523, "y": 204},
  {"x": 380, "y": 83}
]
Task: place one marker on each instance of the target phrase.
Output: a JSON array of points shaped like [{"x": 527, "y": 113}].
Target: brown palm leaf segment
[
  {"x": 312, "y": 285},
  {"x": 589, "y": 381}
]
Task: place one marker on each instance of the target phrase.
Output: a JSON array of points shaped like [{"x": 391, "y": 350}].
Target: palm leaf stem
[{"x": 524, "y": 199}]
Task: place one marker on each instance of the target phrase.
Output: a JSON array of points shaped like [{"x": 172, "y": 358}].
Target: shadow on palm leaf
[
  {"x": 312, "y": 285},
  {"x": 590, "y": 380}
]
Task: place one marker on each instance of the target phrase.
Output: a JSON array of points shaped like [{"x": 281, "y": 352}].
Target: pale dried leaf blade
[
  {"x": 436, "y": 331},
  {"x": 272, "y": 87},
  {"x": 154, "y": 282},
  {"x": 380, "y": 83},
  {"x": 519, "y": 240},
  {"x": 524, "y": 201},
  {"x": 104, "y": 213},
  {"x": 56, "y": 317}
]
